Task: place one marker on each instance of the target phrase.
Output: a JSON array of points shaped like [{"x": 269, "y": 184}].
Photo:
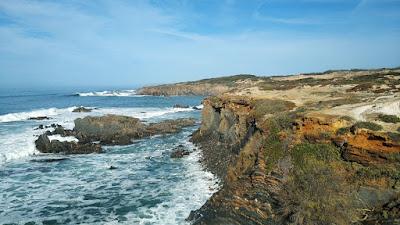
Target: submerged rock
[
  {"x": 39, "y": 118},
  {"x": 169, "y": 126},
  {"x": 81, "y": 109},
  {"x": 181, "y": 106},
  {"x": 46, "y": 160}
]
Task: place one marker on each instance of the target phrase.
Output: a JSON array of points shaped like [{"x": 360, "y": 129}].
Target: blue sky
[{"x": 124, "y": 43}]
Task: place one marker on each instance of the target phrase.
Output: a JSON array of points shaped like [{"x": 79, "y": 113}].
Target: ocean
[{"x": 148, "y": 187}]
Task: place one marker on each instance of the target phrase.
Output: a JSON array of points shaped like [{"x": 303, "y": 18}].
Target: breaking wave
[{"x": 121, "y": 93}]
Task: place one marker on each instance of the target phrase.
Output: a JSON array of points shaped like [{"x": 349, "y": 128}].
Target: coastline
[{"x": 269, "y": 146}]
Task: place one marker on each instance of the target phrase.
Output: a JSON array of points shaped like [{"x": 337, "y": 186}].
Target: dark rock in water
[
  {"x": 112, "y": 168},
  {"x": 40, "y": 127},
  {"x": 179, "y": 152},
  {"x": 122, "y": 130},
  {"x": 81, "y": 109},
  {"x": 39, "y": 118},
  {"x": 109, "y": 129},
  {"x": 62, "y": 131},
  {"x": 49, "y": 160},
  {"x": 196, "y": 108},
  {"x": 43, "y": 144},
  {"x": 181, "y": 106}
]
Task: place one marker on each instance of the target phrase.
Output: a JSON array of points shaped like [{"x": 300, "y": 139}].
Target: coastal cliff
[
  {"x": 320, "y": 148},
  {"x": 286, "y": 165},
  {"x": 306, "y": 149}
]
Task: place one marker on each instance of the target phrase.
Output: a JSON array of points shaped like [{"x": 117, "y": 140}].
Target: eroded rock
[{"x": 44, "y": 145}]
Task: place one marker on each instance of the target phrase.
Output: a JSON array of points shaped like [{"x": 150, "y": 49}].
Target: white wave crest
[
  {"x": 116, "y": 93},
  {"x": 15, "y": 145},
  {"x": 12, "y": 117},
  {"x": 63, "y": 139},
  {"x": 200, "y": 106}
]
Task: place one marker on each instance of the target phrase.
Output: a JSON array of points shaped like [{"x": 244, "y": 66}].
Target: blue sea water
[{"x": 148, "y": 187}]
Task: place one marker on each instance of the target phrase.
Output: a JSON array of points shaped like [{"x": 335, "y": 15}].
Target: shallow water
[{"x": 147, "y": 186}]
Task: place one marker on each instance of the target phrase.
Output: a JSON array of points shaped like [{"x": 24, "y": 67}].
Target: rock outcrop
[
  {"x": 44, "y": 145},
  {"x": 105, "y": 130},
  {"x": 121, "y": 130}
]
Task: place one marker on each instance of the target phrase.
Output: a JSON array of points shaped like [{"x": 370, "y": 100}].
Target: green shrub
[
  {"x": 373, "y": 172},
  {"x": 322, "y": 152},
  {"x": 343, "y": 130},
  {"x": 398, "y": 129},
  {"x": 394, "y": 136},
  {"x": 368, "y": 125},
  {"x": 274, "y": 148},
  {"x": 389, "y": 118},
  {"x": 347, "y": 118}
]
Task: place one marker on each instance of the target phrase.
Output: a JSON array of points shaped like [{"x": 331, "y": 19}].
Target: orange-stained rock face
[
  {"x": 318, "y": 127},
  {"x": 367, "y": 147},
  {"x": 364, "y": 146}
]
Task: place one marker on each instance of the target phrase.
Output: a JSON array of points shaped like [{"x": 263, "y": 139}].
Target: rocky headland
[{"x": 319, "y": 148}]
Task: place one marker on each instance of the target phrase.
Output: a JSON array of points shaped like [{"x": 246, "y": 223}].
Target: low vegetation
[
  {"x": 362, "y": 82},
  {"x": 388, "y": 118},
  {"x": 278, "y": 137},
  {"x": 316, "y": 192},
  {"x": 377, "y": 172},
  {"x": 367, "y": 125},
  {"x": 263, "y": 107},
  {"x": 227, "y": 80}
]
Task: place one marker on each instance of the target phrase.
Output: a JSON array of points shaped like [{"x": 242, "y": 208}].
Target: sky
[{"x": 131, "y": 43}]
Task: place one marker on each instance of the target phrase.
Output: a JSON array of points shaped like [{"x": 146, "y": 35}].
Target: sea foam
[
  {"x": 121, "y": 93},
  {"x": 12, "y": 117}
]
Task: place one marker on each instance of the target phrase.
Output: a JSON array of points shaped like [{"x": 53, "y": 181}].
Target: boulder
[
  {"x": 44, "y": 145},
  {"x": 179, "y": 152},
  {"x": 109, "y": 129},
  {"x": 81, "y": 109}
]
